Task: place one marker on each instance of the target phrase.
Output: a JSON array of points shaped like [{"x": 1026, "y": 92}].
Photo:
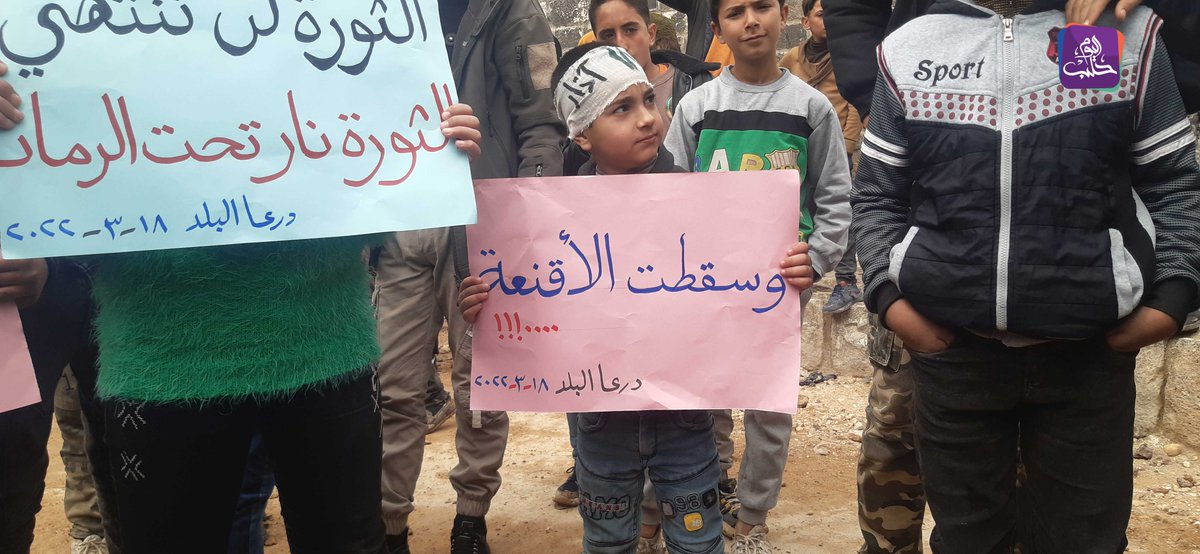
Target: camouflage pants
[{"x": 891, "y": 500}]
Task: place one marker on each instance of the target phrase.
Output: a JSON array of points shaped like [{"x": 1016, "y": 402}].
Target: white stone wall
[{"x": 1178, "y": 400}]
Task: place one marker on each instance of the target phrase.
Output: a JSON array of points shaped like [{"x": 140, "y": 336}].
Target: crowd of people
[{"x": 1019, "y": 243}]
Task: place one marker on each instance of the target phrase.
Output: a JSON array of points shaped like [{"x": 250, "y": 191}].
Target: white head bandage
[{"x": 592, "y": 83}]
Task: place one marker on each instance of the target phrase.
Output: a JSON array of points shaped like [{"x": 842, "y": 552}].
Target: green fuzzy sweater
[{"x": 251, "y": 321}]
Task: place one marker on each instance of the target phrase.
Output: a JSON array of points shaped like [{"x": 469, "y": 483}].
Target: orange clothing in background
[
  {"x": 719, "y": 54},
  {"x": 819, "y": 75}
]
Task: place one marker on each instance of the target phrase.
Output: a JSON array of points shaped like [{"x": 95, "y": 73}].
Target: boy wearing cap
[{"x": 616, "y": 121}]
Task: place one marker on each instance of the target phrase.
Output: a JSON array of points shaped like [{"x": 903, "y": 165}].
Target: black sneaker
[
  {"x": 728, "y": 499},
  {"x": 844, "y": 295},
  {"x": 469, "y": 536},
  {"x": 567, "y": 495},
  {"x": 398, "y": 544}
]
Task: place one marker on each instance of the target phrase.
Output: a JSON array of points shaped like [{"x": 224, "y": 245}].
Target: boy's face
[
  {"x": 751, "y": 28},
  {"x": 815, "y": 22},
  {"x": 618, "y": 24},
  {"x": 625, "y": 138}
]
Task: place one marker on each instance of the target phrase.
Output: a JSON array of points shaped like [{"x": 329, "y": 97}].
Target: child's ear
[
  {"x": 716, "y": 29},
  {"x": 583, "y": 142},
  {"x": 783, "y": 10},
  {"x": 653, "y": 31}
]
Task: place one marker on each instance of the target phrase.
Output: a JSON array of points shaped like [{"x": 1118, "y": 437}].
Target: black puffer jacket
[{"x": 995, "y": 199}]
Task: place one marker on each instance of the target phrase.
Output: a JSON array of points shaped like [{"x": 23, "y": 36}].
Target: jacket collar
[
  {"x": 480, "y": 12},
  {"x": 664, "y": 164},
  {"x": 477, "y": 17},
  {"x": 683, "y": 62}
]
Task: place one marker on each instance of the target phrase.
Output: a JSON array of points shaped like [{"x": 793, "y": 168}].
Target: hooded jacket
[
  {"x": 992, "y": 198},
  {"x": 502, "y": 68}
]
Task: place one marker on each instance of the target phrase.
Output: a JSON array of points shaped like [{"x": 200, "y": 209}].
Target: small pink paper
[
  {"x": 636, "y": 292},
  {"x": 18, "y": 384}
]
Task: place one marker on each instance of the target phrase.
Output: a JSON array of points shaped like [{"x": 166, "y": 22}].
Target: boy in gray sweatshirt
[{"x": 755, "y": 116}]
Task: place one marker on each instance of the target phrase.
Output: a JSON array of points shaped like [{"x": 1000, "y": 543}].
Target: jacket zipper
[
  {"x": 523, "y": 71},
  {"x": 1006, "y": 177}
]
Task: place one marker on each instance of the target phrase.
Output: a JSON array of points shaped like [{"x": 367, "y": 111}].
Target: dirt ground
[{"x": 816, "y": 511}]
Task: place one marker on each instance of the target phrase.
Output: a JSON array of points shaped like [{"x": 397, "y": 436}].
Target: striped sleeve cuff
[
  {"x": 884, "y": 151},
  {"x": 1163, "y": 143}
]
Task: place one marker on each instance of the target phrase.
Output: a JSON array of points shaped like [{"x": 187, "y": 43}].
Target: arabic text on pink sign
[{"x": 636, "y": 293}]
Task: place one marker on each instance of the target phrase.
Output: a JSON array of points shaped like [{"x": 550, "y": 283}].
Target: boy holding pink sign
[
  {"x": 608, "y": 105},
  {"x": 755, "y": 116}
]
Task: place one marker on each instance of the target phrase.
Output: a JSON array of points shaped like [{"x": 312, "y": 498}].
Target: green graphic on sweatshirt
[{"x": 719, "y": 150}]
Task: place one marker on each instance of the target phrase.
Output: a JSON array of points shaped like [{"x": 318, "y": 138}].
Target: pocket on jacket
[
  {"x": 523, "y": 72},
  {"x": 541, "y": 59},
  {"x": 897, "y": 254},
  {"x": 1127, "y": 276}
]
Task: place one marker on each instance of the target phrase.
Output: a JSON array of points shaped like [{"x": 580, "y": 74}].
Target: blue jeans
[
  {"x": 650, "y": 513},
  {"x": 246, "y": 537},
  {"x": 677, "y": 449},
  {"x": 573, "y": 434}
]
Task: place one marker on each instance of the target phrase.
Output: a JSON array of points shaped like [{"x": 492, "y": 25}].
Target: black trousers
[
  {"x": 177, "y": 469},
  {"x": 98, "y": 458},
  {"x": 1067, "y": 406},
  {"x": 58, "y": 333}
]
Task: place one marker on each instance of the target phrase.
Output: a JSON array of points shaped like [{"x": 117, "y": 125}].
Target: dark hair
[
  {"x": 573, "y": 55},
  {"x": 806, "y": 6},
  {"x": 667, "y": 43},
  {"x": 638, "y": 6},
  {"x": 714, "y": 10}
]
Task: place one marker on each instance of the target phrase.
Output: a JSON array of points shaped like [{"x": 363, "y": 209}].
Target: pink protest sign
[
  {"x": 18, "y": 385},
  {"x": 636, "y": 292}
]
